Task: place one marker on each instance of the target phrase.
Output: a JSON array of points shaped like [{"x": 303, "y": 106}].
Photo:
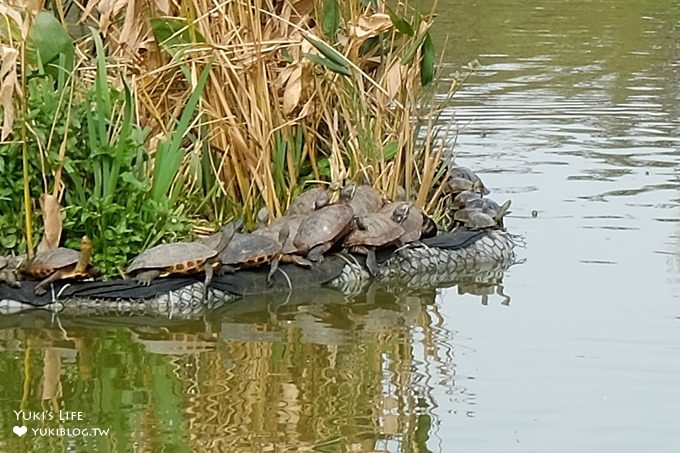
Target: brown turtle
[
  {"x": 60, "y": 264},
  {"x": 491, "y": 208},
  {"x": 474, "y": 219},
  {"x": 182, "y": 258},
  {"x": 253, "y": 250},
  {"x": 408, "y": 216},
  {"x": 286, "y": 227},
  {"x": 9, "y": 268},
  {"x": 461, "y": 200},
  {"x": 309, "y": 202},
  {"x": 363, "y": 199},
  {"x": 372, "y": 231},
  {"x": 459, "y": 179},
  {"x": 321, "y": 229}
]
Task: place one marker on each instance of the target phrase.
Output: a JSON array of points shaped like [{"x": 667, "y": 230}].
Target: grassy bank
[{"x": 135, "y": 130}]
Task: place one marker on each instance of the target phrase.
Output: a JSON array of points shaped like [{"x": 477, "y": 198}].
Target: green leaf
[
  {"x": 390, "y": 150},
  {"x": 410, "y": 53},
  {"x": 427, "y": 61},
  {"x": 171, "y": 33},
  {"x": 330, "y": 18},
  {"x": 399, "y": 23},
  {"x": 329, "y": 52},
  {"x": 327, "y": 63},
  {"x": 47, "y": 40}
]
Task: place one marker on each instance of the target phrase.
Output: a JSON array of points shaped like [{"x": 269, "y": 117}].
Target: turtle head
[
  {"x": 86, "y": 244},
  {"x": 85, "y": 254},
  {"x": 228, "y": 233},
  {"x": 348, "y": 191},
  {"x": 401, "y": 212},
  {"x": 262, "y": 217},
  {"x": 322, "y": 200}
]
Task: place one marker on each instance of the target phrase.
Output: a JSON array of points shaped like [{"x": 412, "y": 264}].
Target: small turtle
[
  {"x": 459, "y": 179},
  {"x": 286, "y": 227},
  {"x": 461, "y": 200},
  {"x": 60, "y": 264},
  {"x": 363, "y": 199},
  {"x": 182, "y": 258},
  {"x": 309, "y": 202},
  {"x": 9, "y": 267},
  {"x": 319, "y": 230},
  {"x": 474, "y": 219},
  {"x": 253, "y": 250},
  {"x": 374, "y": 230},
  {"x": 408, "y": 216},
  {"x": 491, "y": 208}
]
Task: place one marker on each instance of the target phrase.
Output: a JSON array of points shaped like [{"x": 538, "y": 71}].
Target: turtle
[
  {"x": 459, "y": 179},
  {"x": 60, "y": 264},
  {"x": 319, "y": 230},
  {"x": 182, "y": 258},
  {"x": 9, "y": 266},
  {"x": 461, "y": 200},
  {"x": 309, "y": 202},
  {"x": 408, "y": 216},
  {"x": 372, "y": 231},
  {"x": 284, "y": 230},
  {"x": 474, "y": 219},
  {"x": 363, "y": 199},
  {"x": 253, "y": 250},
  {"x": 491, "y": 208}
]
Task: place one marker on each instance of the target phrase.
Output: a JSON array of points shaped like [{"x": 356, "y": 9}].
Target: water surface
[{"x": 573, "y": 114}]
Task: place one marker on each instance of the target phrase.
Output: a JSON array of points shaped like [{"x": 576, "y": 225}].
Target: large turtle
[
  {"x": 253, "y": 250},
  {"x": 363, "y": 199},
  {"x": 309, "y": 202},
  {"x": 286, "y": 227},
  {"x": 321, "y": 229},
  {"x": 60, "y": 264},
  {"x": 459, "y": 179},
  {"x": 408, "y": 216},
  {"x": 9, "y": 267},
  {"x": 372, "y": 231},
  {"x": 182, "y": 258}
]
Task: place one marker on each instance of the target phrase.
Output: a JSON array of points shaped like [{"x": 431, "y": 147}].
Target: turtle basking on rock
[
  {"x": 286, "y": 227},
  {"x": 363, "y": 199},
  {"x": 60, "y": 264},
  {"x": 181, "y": 258},
  {"x": 459, "y": 179},
  {"x": 253, "y": 250},
  {"x": 309, "y": 202},
  {"x": 321, "y": 229},
  {"x": 373, "y": 231}
]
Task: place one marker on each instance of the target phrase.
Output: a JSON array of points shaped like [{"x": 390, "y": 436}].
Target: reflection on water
[{"x": 264, "y": 374}]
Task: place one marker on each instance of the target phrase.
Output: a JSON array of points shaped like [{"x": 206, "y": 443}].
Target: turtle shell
[
  {"x": 363, "y": 199},
  {"x": 463, "y": 198},
  {"x": 309, "y": 202},
  {"x": 250, "y": 250},
  {"x": 273, "y": 231},
  {"x": 49, "y": 261},
  {"x": 412, "y": 222},
  {"x": 323, "y": 226},
  {"x": 174, "y": 258},
  {"x": 474, "y": 219},
  {"x": 374, "y": 230},
  {"x": 489, "y": 207},
  {"x": 460, "y": 179}
]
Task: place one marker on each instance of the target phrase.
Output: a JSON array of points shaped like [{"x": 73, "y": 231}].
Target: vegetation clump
[{"x": 139, "y": 129}]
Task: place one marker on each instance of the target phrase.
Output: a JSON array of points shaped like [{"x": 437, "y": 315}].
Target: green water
[{"x": 573, "y": 114}]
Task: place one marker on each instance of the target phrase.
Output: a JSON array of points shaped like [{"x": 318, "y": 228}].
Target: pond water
[{"x": 574, "y": 114}]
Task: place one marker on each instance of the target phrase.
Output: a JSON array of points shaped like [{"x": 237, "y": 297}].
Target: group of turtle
[
  {"x": 469, "y": 207},
  {"x": 360, "y": 221}
]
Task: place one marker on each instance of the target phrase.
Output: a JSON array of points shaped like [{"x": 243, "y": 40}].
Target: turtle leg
[
  {"x": 300, "y": 261},
  {"x": 208, "y": 269},
  {"x": 145, "y": 278},
  {"x": 41, "y": 288},
  {"x": 226, "y": 269},
  {"x": 315, "y": 254},
  {"x": 273, "y": 266},
  {"x": 372, "y": 263}
]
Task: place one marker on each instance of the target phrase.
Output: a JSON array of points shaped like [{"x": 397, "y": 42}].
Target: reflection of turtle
[
  {"x": 321, "y": 229},
  {"x": 460, "y": 179},
  {"x": 9, "y": 266},
  {"x": 253, "y": 250},
  {"x": 182, "y": 258},
  {"x": 309, "y": 202},
  {"x": 60, "y": 264},
  {"x": 285, "y": 227},
  {"x": 372, "y": 231},
  {"x": 363, "y": 199}
]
